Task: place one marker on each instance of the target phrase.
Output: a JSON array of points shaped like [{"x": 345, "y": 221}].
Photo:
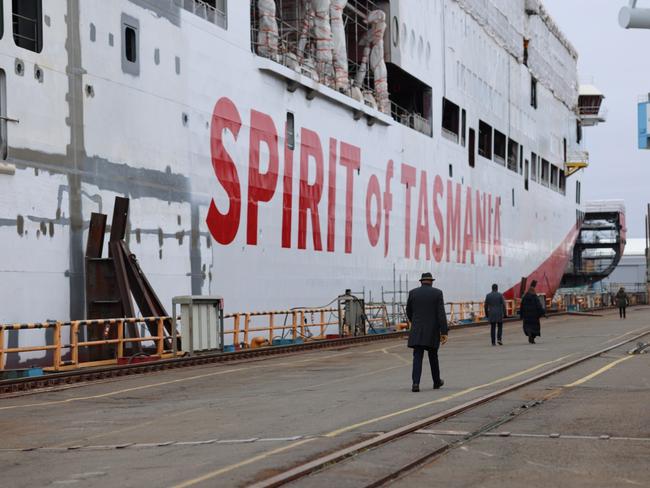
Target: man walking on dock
[
  {"x": 531, "y": 310},
  {"x": 425, "y": 309},
  {"x": 495, "y": 311}
]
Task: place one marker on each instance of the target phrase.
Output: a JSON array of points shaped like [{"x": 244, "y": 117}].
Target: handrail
[
  {"x": 74, "y": 344},
  {"x": 253, "y": 329}
]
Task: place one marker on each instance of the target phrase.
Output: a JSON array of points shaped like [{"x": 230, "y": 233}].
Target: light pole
[{"x": 633, "y": 17}]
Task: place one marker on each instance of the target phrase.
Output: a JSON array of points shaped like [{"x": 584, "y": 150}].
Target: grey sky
[{"x": 616, "y": 60}]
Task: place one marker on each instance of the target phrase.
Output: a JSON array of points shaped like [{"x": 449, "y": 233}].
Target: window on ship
[
  {"x": 499, "y": 147},
  {"x": 513, "y": 155},
  {"x": 130, "y": 44},
  {"x": 554, "y": 177},
  {"x": 214, "y": 11},
  {"x": 545, "y": 173},
  {"x": 533, "y": 166},
  {"x": 533, "y": 92},
  {"x": 27, "y": 20},
  {"x": 410, "y": 100},
  {"x": 484, "y": 140},
  {"x": 450, "y": 119},
  {"x": 562, "y": 182},
  {"x": 463, "y": 127}
]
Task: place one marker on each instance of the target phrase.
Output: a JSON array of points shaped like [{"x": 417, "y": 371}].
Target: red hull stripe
[{"x": 549, "y": 274}]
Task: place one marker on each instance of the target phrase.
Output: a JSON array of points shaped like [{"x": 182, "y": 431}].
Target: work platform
[{"x": 243, "y": 422}]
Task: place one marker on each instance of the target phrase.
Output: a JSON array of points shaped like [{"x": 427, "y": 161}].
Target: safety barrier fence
[
  {"x": 112, "y": 332},
  {"x": 257, "y": 329},
  {"x": 65, "y": 349}
]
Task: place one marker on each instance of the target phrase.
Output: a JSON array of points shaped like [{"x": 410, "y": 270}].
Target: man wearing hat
[{"x": 425, "y": 310}]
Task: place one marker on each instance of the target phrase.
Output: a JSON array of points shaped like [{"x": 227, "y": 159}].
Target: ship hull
[{"x": 222, "y": 203}]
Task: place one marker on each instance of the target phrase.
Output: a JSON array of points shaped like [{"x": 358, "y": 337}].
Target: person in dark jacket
[
  {"x": 622, "y": 301},
  {"x": 495, "y": 311},
  {"x": 531, "y": 311},
  {"x": 425, "y": 309}
]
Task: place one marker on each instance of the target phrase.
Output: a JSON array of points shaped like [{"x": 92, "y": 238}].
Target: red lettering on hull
[
  {"x": 351, "y": 160},
  {"x": 224, "y": 226},
  {"x": 261, "y": 186},
  {"x": 310, "y": 193},
  {"x": 470, "y": 226}
]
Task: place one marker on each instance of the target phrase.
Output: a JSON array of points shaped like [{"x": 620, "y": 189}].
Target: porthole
[
  {"x": 395, "y": 33},
  {"x": 20, "y": 67}
]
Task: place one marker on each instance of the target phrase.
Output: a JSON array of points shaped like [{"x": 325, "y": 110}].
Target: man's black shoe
[
  {"x": 415, "y": 388},
  {"x": 500, "y": 343},
  {"x": 493, "y": 344},
  {"x": 438, "y": 385}
]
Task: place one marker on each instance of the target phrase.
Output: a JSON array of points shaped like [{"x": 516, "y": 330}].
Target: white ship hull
[{"x": 173, "y": 137}]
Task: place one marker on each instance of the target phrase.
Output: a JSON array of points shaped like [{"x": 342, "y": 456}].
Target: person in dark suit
[
  {"x": 425, "y": 309},
  {"x": 495, "y": 311},
  {"x": 531, "y": 310}
]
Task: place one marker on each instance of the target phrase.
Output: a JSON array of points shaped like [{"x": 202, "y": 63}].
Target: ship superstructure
[{"x": 278, "y": 152}]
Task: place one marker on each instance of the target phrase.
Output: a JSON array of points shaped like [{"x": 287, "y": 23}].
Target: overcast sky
[{"x": 616, "y": 60}]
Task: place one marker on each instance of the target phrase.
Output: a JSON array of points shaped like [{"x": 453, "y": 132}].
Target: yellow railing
[
  {"x": 119, "y": 340},
  {"x": 250, "y": 329},
  {"x": 257, "y": 329}
]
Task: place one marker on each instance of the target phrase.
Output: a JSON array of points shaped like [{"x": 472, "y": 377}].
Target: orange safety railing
[
  {"x": 254, "y": 329},
  {"x": 245, "y": 328},
  {"x": 161, "y": 340}
]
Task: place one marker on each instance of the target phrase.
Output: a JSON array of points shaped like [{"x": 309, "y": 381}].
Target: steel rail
[{"x": 336, "y": 457}]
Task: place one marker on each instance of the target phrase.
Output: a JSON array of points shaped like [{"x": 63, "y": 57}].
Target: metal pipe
[{"x": 634, "y": 18}]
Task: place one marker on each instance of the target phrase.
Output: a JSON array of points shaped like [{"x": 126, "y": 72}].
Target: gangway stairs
[{"x": 599, "y": 246}]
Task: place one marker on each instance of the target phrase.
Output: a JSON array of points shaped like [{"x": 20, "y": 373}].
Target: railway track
[{"x": 331, "y": 461}]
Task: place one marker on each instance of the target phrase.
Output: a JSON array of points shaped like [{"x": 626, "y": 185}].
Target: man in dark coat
[
  {"x": 495, "y": 310},
  {"x": 425, "y": 309},
  {"x": 622, "y": 302},
  {"x": 531, "y": 311}
]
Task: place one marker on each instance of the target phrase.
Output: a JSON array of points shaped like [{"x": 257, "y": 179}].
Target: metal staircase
[{"x": 599, "y": 246}]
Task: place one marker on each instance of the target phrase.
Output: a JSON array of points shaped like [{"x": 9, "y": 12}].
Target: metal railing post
[
  {"x": 120, "y": 339},
  {"x": 302, "y": 323},
  {"x": 322, "y": 323},
  {"x": 247, "y": 321},
  {"x": 74, "y": 342},
  {"x": 161, "y": 337},
  {"x": 57, "y": 344},
  {"x": 2, "y": 348},
  {"x": 271, "y": 326},
  {"x": 235, "y": 331}
]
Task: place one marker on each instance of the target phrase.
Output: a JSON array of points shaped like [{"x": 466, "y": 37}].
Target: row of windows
[
  {"x": 26, "y": 22},
  {"x": 495, "y": 145}
]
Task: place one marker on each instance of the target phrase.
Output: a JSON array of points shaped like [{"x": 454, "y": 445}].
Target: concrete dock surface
[{"x": 236, "y": 423}]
